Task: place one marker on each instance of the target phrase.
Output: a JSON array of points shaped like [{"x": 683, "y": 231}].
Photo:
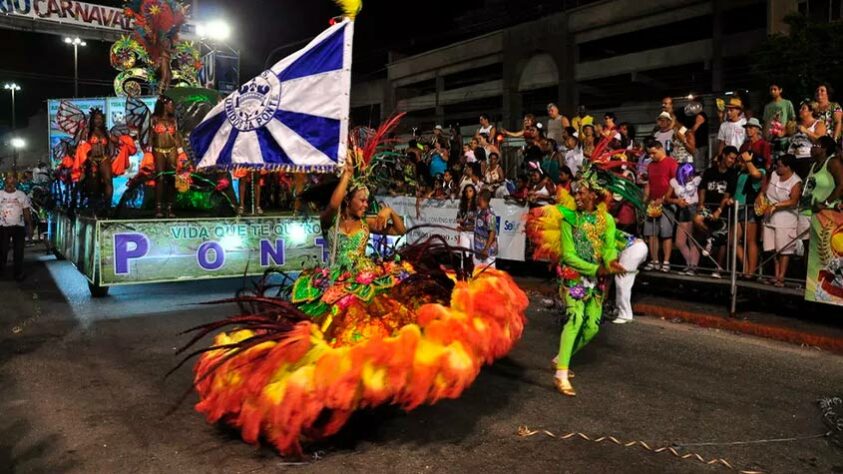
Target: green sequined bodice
[{"x": 351, "y": 248}]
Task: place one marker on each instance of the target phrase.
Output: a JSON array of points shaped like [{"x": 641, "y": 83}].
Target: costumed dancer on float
[
  {"x": 246, "y": 177},
  {"x": 579, "y": 234},
  {"x": 167, "y": 154},
  {"x": 359, "y": 333},
  {"x": 93, "y": 157}
]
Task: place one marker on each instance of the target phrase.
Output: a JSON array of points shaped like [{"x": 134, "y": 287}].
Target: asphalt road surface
[{"x": 82, "y": 390}]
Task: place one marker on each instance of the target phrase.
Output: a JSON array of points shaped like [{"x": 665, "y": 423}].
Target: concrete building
[{"x": 620, "y": 55}]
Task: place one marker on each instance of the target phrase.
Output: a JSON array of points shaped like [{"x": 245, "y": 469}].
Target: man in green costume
[{"x": 589, "y": 256}]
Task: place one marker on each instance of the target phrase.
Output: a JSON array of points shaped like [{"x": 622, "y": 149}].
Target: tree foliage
[{"x": 809, "y": 54}]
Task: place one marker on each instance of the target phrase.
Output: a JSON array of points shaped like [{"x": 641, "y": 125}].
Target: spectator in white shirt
[
  {"x": 15, "y": 224},
  {"x": 574, "y": 156},
  {"x": 664, "y": 130},
  {"x": 486, "y": 126},
  {"x": 732, "y": 131}
]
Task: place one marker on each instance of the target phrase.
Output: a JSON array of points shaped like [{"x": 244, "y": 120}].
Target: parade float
[{"x": 117, "y": 243}]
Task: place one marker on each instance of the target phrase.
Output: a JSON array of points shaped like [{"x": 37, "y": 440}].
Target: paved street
[{"x": 83, "y": 391}]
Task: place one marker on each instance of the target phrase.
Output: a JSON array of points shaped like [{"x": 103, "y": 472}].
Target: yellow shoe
[
  {"x": 554, "y": 369},
  {"x": 564, "y": 387}
]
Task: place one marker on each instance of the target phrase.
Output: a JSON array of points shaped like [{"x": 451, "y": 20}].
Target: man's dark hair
[
  {"x": 565, "y": 169},
  {"x": 653, "y": 143},
  {"x": 485, "y": 116},
  {"x": 571, "y": 131},
  {"x": 611, "y": 115},
  {"x": 729, "y": 149},
  {"x": 788, "y": 160},
  {"x": 485, "y": 195}
]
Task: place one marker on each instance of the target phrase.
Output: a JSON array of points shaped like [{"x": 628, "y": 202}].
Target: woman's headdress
[{"x": 364, "y": 146}]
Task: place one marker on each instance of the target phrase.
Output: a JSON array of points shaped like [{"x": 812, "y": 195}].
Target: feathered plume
[
  {"x": 350, "y": 8},
  {"x": 372, "y": 143}
]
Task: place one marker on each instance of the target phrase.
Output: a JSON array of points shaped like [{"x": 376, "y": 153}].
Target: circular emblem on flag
[{"x": 255, "y": 103}]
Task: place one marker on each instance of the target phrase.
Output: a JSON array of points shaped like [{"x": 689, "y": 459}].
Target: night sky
[{"x": 43, "y": 65}]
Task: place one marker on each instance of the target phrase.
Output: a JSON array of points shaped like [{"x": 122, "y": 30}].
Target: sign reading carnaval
[
  {"x": 68, "y": 11},
  {"x": 196, "y": 249}
]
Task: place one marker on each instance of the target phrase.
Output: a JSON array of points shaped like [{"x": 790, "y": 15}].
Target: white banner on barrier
[{"x": 511, "y": 219}]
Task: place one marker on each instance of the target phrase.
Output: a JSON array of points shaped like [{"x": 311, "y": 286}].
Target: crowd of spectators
[{"x": 779, "y": 166}]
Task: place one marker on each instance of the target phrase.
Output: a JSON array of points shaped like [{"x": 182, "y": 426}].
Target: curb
[{"x": 777, "y": 333}]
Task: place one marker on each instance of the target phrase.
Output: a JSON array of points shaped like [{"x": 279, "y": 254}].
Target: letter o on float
[{"x": 205, "y": 250}]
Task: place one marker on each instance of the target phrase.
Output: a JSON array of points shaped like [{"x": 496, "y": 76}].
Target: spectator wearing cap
[
  {"x": 664, "y": 130},
  {"x": 439, "y": 137},
  {"x": 756, "y": 144},
  {"x": 556, "y": 123},
  {"x": 582, "y": 119},
  {"x": 731, "y": 132}
]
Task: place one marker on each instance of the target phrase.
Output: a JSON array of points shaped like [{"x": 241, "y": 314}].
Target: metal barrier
[{"x": 737, "y": 232}]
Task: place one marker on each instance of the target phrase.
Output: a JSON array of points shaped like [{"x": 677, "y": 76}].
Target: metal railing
[{"x": 737, "y": 243}]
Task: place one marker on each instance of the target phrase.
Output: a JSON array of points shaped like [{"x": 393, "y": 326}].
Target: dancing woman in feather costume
[{"x": 406, "y": 330}]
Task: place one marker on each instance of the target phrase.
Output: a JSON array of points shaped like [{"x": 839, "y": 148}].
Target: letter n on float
[
  {"x": 276, "y": 254},
  {"x": 128, "y": 246}
]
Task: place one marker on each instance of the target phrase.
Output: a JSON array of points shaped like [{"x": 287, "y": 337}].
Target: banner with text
[
  {"x": 149, "y": 251},
  {"x": 68, "y": 12},
  {"x": 511, "y": 219},
  {"x": 825, "y": 259}
]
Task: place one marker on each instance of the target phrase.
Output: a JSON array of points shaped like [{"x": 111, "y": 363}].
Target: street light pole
[
  {"x": 12, "y": 87},
  {"x": 76, "y": 43},
  {"x": 17, "y": 144},
  {"x": 75, "y": 70}
]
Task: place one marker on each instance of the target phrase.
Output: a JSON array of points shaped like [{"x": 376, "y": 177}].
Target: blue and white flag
[{"x": 292, "y": 117}]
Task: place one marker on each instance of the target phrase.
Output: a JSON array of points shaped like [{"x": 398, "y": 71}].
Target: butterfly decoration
[
  {"x": 139, "y": 119},
  {"x": 72, "y": 121}
]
